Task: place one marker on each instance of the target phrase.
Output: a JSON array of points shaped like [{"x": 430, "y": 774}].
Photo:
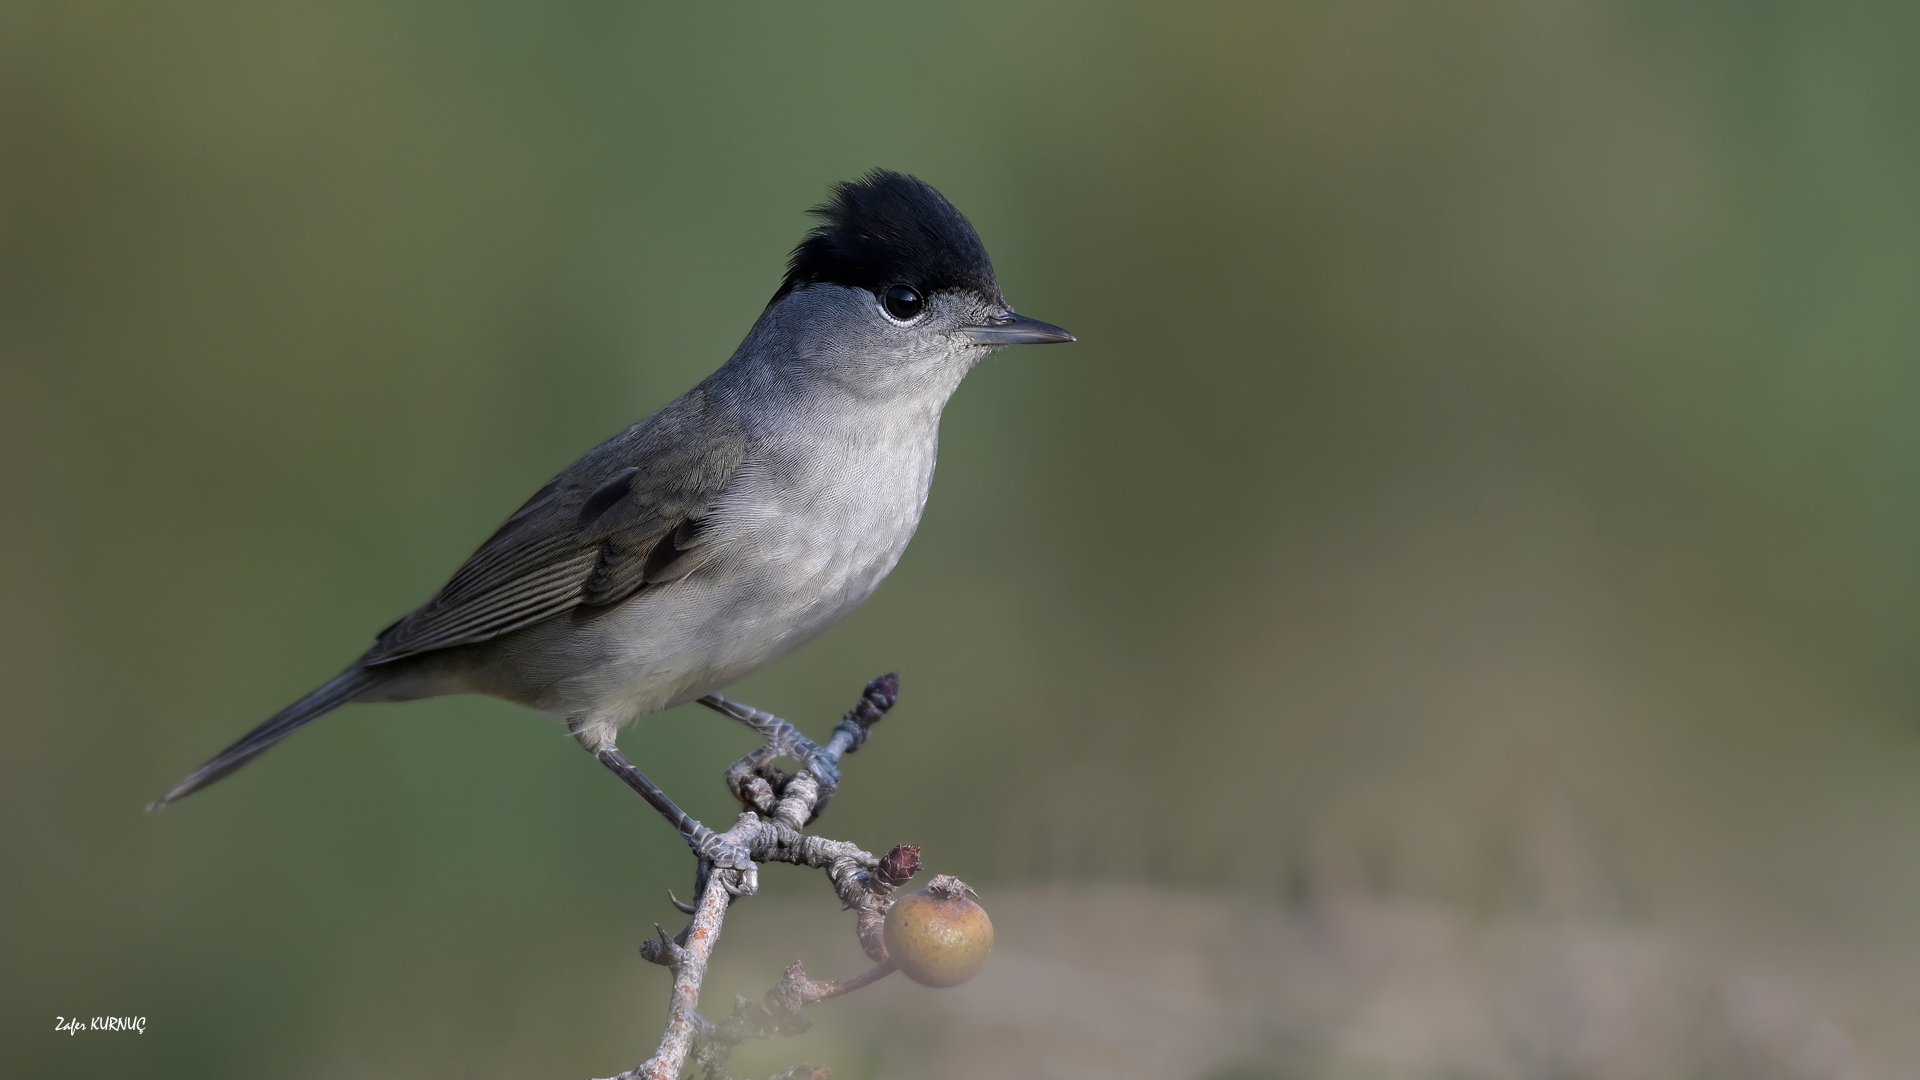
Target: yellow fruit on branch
[{"x": 939, "y": 936}]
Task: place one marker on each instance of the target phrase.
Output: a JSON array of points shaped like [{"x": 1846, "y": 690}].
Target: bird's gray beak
[{"x": 1010, "y": 329}]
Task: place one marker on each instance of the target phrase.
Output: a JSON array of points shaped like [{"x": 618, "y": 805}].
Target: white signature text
[{"x": 74, "y": 1025}]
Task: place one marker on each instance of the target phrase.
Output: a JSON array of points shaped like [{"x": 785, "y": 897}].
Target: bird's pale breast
[{"x": 806, "y": 531}]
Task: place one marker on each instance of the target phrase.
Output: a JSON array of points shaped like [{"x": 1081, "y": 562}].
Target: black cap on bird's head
[{"x": 888, "y": 228}]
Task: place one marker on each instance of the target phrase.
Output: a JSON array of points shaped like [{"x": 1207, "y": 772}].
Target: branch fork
[{"x": 778, "y": 807}]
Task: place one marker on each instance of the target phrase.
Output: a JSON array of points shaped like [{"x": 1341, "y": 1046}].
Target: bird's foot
[
  {"x": 808, "y": 753},
  {"x": 733, "y": 867},
  {"x": 782, "y": 740}
]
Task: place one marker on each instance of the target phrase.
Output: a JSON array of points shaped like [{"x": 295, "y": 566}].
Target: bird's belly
[
  {"x": 782, "y": 585},
  {"x": 788, "y": 560}
]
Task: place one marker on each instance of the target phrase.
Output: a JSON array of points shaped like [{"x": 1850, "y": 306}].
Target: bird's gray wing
[{"x": 626, "y": 515}]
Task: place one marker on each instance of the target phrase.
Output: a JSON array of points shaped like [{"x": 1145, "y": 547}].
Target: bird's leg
[
  {"x": 782, "y": 738},
  {"x": 707, "y": 844}
]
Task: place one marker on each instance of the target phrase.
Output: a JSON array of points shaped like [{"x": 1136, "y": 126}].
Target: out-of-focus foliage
[{"x": 1488, "y": 479}]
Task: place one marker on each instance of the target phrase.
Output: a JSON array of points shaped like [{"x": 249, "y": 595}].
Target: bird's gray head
[{"x": 893, "y": 286}]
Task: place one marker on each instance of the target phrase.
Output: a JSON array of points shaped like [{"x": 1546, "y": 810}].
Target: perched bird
[{"x": 729, "y": 528}]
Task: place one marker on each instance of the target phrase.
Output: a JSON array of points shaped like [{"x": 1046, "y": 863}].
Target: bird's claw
[
  {"x": 811, "y": 757},
  {"x": 721, "y": 852},
  {"x": 733, "y": 866},
  {"x": 738, "y": 882},
  {"x": 826, "y": 772}
]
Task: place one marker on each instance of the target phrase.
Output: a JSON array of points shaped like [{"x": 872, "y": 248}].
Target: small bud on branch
[{"x": 898, "y": 866}]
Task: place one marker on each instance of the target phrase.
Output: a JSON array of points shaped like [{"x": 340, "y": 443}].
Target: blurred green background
[{"x": 1489, "y": 475}]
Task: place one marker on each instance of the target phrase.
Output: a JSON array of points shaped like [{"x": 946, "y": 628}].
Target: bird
[{"x": 729, "y": 528}]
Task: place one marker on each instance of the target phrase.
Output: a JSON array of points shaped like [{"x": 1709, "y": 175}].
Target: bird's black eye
[{"x": 903, "y": 302}]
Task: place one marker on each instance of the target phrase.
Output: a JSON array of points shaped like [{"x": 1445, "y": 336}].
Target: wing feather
[{"x": 587, "y": 538}]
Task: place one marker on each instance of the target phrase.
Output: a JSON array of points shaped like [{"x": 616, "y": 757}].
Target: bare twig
[
  {"x": 779, "y": 806},
  {"x": 778, "y": 1013},
  {"x": 686, "y": 955}
]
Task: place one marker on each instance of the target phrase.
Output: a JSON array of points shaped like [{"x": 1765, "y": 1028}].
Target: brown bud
[
  {"x": 898, "y": 865},
  {"x": 878, "y": 697},
  {"x": 874, "y": 702}
]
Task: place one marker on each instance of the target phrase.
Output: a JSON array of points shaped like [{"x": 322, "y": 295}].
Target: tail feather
[{"x": 332, "y": 694}]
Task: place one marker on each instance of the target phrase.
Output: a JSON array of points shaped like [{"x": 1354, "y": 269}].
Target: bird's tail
[{"x": 332, "y": 694}]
